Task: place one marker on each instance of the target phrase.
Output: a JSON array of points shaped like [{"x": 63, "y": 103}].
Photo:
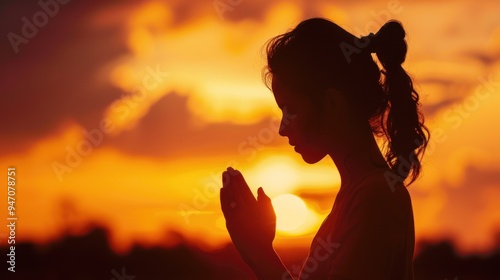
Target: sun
[
  {"x": 280, "y": 172},
  {"x": 293, "y": 217}
]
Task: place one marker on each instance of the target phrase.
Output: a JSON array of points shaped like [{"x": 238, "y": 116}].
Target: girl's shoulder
[{"x": 379, "y": 188}]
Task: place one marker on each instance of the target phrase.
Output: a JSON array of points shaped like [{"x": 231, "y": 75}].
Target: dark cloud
[
  {"x": 186, "y": 11},
  {"x": 168, "y": 130},
  {"x": 53, "y": 78},
  {"x": 476, "y": 177},
  {"x": 453, "y": 92},
  {"x": 470, "y": 198},
  {"x": 485, "y": 57},
  {"x": 430, "y": 110},
  {"x": 241, "y": 10}
]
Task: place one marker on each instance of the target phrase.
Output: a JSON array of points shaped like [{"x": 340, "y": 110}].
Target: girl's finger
[
  {"x": 264, "y": 200},
  {"x": 226, "y": 179},
  {"x": 241, "y": 190},
  {"x": 225, "y": 203}
]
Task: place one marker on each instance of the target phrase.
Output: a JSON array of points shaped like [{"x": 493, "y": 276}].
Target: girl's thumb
[{"x": 262, "y": 196}]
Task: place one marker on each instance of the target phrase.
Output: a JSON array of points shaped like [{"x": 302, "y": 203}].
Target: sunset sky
[{"x": 126, "y": 112}]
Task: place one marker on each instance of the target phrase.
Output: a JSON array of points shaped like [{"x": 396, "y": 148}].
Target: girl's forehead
[
  {"x": 280, "y": 90},
  {"x": 286, "y": 96}
]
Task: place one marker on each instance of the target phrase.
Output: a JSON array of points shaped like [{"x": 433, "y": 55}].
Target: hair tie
[{"x": 371, "y": 47}]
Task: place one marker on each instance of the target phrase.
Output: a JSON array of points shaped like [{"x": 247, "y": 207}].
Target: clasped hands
[{"x": 250, "y": 221}]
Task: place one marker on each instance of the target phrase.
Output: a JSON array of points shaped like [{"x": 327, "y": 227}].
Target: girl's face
[{"x": 301, "y": 122}]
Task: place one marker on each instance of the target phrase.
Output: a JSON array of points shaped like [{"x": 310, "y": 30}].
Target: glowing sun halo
[{"x": 291, "y": 212}]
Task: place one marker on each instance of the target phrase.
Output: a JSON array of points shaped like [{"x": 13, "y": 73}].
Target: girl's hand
[{"x": 251, "y": 222}]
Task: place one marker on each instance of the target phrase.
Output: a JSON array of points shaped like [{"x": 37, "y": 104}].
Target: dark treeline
[{"x": 90, "y": 257}]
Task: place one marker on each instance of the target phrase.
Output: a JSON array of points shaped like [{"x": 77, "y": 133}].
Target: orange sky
[{"x": 127, "y": 113}]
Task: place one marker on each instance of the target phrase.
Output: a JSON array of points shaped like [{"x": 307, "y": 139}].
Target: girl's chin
[{"x": 309, "y": 156}]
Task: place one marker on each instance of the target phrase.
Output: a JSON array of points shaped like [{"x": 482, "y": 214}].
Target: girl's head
[{"x": 327, "y": 84}]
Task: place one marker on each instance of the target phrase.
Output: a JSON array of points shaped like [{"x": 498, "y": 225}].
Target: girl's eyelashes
[{"x": 288, "y": 114}]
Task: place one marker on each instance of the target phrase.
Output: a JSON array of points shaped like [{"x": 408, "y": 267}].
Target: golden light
[
  {"x": 291, "y": 213},
  {"x": 276, "y": 174}
]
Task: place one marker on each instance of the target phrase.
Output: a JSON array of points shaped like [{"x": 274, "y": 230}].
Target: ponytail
[{"x": 401, "y": 121}]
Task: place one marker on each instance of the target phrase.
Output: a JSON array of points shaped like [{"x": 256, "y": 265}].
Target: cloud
[
  {"x": 57, "y": 76},
  {"x": 487, "y": 58},
  {"x": 169, "y": 129},
  {"x": 445, "y": 92},
  {"x": 472, "y": 205}
]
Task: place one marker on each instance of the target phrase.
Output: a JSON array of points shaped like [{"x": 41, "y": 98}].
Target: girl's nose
[{"x": 283, "y": 131}]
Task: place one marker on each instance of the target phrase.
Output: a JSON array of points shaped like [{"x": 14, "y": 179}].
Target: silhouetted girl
[{"x": 336, "y": 101}]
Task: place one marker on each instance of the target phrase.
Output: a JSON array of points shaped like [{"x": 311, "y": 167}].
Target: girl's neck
[{"x": 358, "y": 160}]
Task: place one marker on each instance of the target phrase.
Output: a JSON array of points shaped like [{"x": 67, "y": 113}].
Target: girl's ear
[{"x": 333, "y": 101}]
